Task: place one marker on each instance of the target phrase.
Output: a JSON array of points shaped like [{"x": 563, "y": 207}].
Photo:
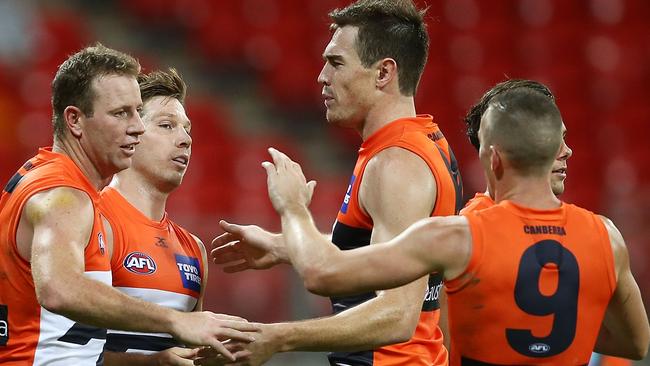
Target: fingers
[
  {"x": 227, "y": 253},
  {"x": 219, "y": 347},
  {"x": 186, "y": 353},
  {"x": 223, "y": 239}
]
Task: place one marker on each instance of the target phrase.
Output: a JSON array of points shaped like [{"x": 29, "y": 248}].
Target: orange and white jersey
[
  {"x": 156, "y": 261},
  {"x": 30, "y": 334}
]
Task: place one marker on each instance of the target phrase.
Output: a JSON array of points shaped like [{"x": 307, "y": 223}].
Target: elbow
[
  {"x": 398, "y": 328},
  {"x": 52, "y": 297},
  {"x": 316, "y": 281},
  {"x": 640, "y": 350}
]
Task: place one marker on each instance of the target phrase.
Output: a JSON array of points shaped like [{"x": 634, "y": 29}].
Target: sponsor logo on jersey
[
  {"x": 139, "y": 263},
  {"x": 4, "y": 325},
  {"x": 539, "y": 348},
  {"x": 348, "y": 194},
  {"x": 190, "y": 271},
  {"x": 161, "y": 242},
  {"x": 102, "y": 245}
]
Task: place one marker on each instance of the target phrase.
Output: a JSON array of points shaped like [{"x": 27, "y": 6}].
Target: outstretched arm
[
  {"x": 56, "y": 251},
  {"x": 427, "y": 246},
  {"x": 625, "y": 331}
]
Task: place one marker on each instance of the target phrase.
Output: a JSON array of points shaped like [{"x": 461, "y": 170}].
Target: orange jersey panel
[
  {"x": 156, "y": 261},
  {"x": 480, "y": 201},
  {"x": 353, "y": 228},
  {"x": 35, "y": 335},
  {"x": 535, "y": 290}
]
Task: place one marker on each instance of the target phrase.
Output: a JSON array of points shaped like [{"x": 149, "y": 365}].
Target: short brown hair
[
  {"x": 162, "y": 84},
  {"x": 389, "y": 28},
  {"x": 473, "y": 117},
  {"x": 73, "y": 79},
  {"x": 527, "y": 126}
]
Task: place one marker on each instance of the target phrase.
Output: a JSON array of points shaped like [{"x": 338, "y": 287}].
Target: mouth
[
  {"x": 181, "y": 160},
  {"x": 560, "y": 171},
  {"x": 129, "y": 149}
]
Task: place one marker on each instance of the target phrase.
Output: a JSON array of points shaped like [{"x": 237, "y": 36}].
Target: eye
[
  {"x": 140, "y": 112},
  {"x": 121, "y": 114},
  {"x": 165, "y": 125}
]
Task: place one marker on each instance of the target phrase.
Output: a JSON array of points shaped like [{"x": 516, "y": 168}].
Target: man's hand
[
  {"x": 251, "y": 354},
  {"x": 247, "y": 247},
  {"x": 176, "y": 356},
  {"x": 286, "y": 183},
  {"x": 208, "y": 329}
]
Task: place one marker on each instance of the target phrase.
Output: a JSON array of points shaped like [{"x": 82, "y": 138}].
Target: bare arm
[
  {"x": 204, "y": 278},
  {"x": 394, "y": 203},
  {"x": 625, "y": 331},
  {"x": 56, "y": 250}
]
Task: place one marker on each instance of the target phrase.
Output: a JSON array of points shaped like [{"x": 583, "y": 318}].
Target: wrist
[
  {"x": 280, "y": 336},
  {"x": 279, "y": 250}
]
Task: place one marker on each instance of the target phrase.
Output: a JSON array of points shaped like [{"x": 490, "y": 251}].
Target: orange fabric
[
  {"x": 421, "y": 136},
  {"x": 513, "y": 275},
  {"x": 159, "y": 241},
  {"x": 480, "y": 201},
  {"x": 614, "y": 361},
  {"x": 44, "y": 171}
]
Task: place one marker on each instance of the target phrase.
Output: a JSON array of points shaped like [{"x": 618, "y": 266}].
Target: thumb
[
  {"x": 188, "y": 353},
  {"x": 228, "y": 227},
  {"x": 311, "y": 186},
  {"x": 269, "y": 167}
]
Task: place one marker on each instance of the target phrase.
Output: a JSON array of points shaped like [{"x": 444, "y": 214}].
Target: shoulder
[
  {"x": 397, "y": 164},
  {"x": 395, "y": 177},
  {"x": 58, "y": 200},
  {"x": 615, "y": 236}
]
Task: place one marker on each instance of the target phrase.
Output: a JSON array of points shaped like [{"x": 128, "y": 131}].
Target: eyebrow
[{"x": 332, "y": 57}]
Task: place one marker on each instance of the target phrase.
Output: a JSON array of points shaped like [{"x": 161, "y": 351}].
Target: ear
[
  {"x": 496, "y": 162},
  {"x": 386, "y": 72},
  {"x": 72, "y": 117}
]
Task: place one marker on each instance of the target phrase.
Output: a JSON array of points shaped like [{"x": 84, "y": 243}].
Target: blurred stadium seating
[{"x": 252, "y": 68}]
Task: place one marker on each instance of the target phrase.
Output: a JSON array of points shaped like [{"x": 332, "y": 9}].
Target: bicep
[
  {"x": 62, "y": 221},
  {"x": 204, "y": 276},
  {"x": 391, "y": 264}
]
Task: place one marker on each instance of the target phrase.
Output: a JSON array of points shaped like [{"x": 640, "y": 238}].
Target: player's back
[{"x": 535, "y": 290}]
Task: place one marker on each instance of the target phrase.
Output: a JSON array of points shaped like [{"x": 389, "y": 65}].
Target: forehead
[
  {"x": 120, "y": 89},
  {"x": 342, "y": 42},
  {"x": 165, "y": 107}
]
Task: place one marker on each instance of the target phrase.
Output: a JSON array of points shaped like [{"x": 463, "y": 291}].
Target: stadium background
[{"x": 251, "y": 67}]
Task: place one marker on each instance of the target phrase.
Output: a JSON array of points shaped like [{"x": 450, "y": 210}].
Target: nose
[
  {"x": 184, "y": 140},
  {"x": 565, "y": 152},
  {"x": 136, "y": 126},
  {"x": 322, "y": 77}
]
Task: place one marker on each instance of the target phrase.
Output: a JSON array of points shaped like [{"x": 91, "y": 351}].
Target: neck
[
  {"x": 72, "y": 149},
  {"x": 532, "y": 192},
  {"x": 386, "y": 111},
  {"x": 144, "y": 196}
]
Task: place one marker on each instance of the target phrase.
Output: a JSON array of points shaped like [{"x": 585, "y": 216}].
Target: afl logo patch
[
  {"x": 139, "y": 263},
  {"x": 539, "y": 348}
]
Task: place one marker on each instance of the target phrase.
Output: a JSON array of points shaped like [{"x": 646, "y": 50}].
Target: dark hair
[
  {"x": 72, "y": 83},
  {"x": 162, "y": 84},
  {"x": 389, "y": 28},
  {"x": 473, "y": 117},
  {"x": 527, "y": 127}
]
